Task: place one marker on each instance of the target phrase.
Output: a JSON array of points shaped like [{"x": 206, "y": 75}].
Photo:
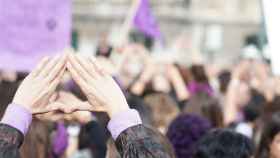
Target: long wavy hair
[{"x": 270, "y": 130}]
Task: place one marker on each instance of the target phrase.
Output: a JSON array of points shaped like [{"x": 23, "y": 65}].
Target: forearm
[
  {"x": 17, "y": 117},
  {"x": 180, "y": 88},
  {"x": 133, "y": 139},
  {"x": 178, "y": 83},
  {"x": 230, "y": 110},
  {"x": 14, "y": 125}
]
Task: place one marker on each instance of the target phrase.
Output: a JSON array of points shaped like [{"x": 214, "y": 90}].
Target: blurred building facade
[{"x": 216, "y": 28}]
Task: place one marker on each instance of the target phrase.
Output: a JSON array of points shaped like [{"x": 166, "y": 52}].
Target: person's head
[
  {"x": 137, "y": 103},
  {"x": 163, "y": 108},
  {"x": 206, "y": 106},
  {"x": 199, "y": 73},
  {"x": 7, "y": 91},
  {"x": 269, "y": 146},
  {"x": 224, "y": 144},
  {"x": 224, "y": 79},
  {"x": 252, "y": 110},
  {"x": 257, "y": 98},
  {"x": 271, "y": 107},
  {"x": 251, "y": 113},
  {"x": 184, "y": 133},
  {"x": 37, "y": 141},
  {"x": 93, "y": 137}
]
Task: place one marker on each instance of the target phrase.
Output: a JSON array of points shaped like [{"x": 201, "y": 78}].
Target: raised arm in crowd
[{"x": 34, "y": 94}]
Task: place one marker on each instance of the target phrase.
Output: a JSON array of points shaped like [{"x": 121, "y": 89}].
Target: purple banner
[
  {"x": 31, "y": 29},
  {"x": 145, "y": 21}
]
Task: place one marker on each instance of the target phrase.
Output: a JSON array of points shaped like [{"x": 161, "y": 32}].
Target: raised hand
[
  {"x": 38, "y": 87},
  {"x": 99, "y": 87}
]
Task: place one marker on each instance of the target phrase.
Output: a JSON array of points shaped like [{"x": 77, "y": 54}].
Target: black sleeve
[
  {"x": 141, "y": 142},
  {"x": 10, "y": 141}
]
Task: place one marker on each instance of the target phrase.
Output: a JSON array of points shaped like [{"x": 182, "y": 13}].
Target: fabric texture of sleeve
[
  {"x": 141, "y": 142},
  {"x": 123, "y": 121},
  {"x": 10, "y": 141},
  {"x": 18, "y": 117}
]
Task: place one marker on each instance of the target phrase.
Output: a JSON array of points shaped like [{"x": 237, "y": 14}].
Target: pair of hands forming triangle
[{"x": 39, "y": 86}]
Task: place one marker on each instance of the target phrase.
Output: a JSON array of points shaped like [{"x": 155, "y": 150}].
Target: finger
[
  {"x": 74, "y": 62},
  {"x": 57, "y": 69},
  {"x": 40, "y": 66},
  {"x": 92, "y": 68},
  {"x": 53, "y": 97},
  {"x": 54, "y": 83},
  {"x": 97, "y": 107},
  {"x": 48, "y": 67},
  {"x": 96, "y": 67},
  {"x": 77, "y": 78},
  {"x": 56, "y": 106},
  {"x": 85, "y": 63},
  {"x": 100, "y": 68},
  {"x": 49, "y": 91}
]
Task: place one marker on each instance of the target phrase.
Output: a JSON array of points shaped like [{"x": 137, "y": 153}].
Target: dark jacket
[{"x": 135, "y": 142}]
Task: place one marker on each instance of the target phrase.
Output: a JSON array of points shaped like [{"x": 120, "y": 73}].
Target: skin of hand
[
  {"x": 70, "y": 103},
  {"x": 53, "y": 116},
  {"x": 38, "y": 87},
  {"x": 99, "y": 87}
]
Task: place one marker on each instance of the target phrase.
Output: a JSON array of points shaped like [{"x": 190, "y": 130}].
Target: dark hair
[
  {"x": 270, "y": 130},
  {"x": 206, "y": 106},
  {"x": 224, "y": 144},
  {"x": 185, "y": 131},
  {"x": 252, "y": 110},
  {"x": 7, "y": 92},
  {"x": 257, "y": 98},
  {"x": 199, "y": 74},
  {"x": 37, "y": 141},
  {"x": 137, "y": 103},
  {"x": 92, "y": 136},
  {"x": 271, "y": 107},
  {"x": 106, "y": 54},
  {"x": 251, "y": 113},
  {"x": 224, "y": 79}
]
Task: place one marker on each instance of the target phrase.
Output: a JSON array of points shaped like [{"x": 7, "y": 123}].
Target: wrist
[
  {"x": 22, "y": 104},
  {"x": 118, "y": 110},
  {"x": 122, "y": 121},
  {"x": 17, "y": 116}
]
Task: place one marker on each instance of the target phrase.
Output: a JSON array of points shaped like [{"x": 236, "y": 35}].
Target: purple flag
[
  {"x": 145, "y": 22},
  {"x": 31, "y": 29}
]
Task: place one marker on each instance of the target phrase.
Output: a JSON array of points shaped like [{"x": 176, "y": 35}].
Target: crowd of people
[{"x": 126, "y": 103}]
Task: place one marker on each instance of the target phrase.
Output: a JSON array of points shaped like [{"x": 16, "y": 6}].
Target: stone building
[{"x": 215, "y": 28}]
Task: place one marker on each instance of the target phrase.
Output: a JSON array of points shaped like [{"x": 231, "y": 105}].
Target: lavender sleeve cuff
[
  {"x": 122, "y": 121},
  {"x": 18, "y": 117}
]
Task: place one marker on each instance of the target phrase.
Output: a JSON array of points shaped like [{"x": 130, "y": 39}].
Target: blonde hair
[{"x": 163, "y": 108}]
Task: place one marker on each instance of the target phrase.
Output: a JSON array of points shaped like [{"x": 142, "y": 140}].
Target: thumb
[{"x": 93, "y": 108}]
